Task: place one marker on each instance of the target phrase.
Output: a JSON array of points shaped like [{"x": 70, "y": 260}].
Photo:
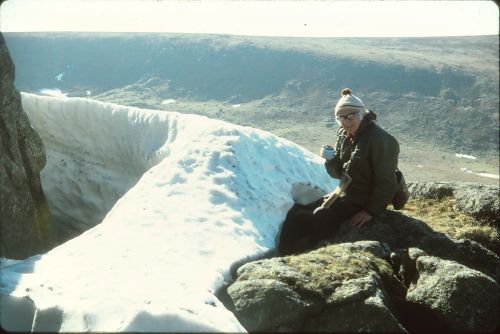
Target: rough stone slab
[{"x": 465, "y": 299}]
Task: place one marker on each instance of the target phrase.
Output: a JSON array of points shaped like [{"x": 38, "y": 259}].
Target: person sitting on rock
[{"x": 369, "y": 155}]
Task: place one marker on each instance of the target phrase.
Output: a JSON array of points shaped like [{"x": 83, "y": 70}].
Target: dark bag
[{"x": 402, "y": 193}]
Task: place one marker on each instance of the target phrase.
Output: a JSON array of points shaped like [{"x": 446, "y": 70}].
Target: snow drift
[{"x": 171, "y": 200}]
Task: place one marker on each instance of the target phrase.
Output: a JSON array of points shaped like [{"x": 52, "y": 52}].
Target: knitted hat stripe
[{"x": 350, "y": 106}]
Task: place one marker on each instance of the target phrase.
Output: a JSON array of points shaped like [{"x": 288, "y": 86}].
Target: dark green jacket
[{"x": 371, "y": 160}]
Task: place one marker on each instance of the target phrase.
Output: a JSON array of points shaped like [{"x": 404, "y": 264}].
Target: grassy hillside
[{"x": 438, "y": 96}]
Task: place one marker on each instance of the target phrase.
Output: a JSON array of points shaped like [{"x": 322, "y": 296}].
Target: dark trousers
[{"x": 302, "y": 229}]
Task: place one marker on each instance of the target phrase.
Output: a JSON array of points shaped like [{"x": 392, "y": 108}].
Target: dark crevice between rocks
[
  {"x": 413, "y": 317},
  {"x": 417, "y": 319}
]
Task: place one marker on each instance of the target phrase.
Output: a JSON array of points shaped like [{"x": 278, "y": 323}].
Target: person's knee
[{"x": 296, "y": 226}]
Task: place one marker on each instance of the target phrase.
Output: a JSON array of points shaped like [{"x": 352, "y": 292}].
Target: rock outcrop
[
  {"x": 395, "y": 275},
  {"x": 465, "y": 300},
  {"x": 339, "y": 288},
  {"x": 399, "y": 231},
  {"x": 480, "y": 201},
  {"x": 24, "y": 214}
]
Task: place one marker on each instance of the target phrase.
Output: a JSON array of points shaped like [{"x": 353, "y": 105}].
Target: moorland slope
[{"x": 438, "y": 96}]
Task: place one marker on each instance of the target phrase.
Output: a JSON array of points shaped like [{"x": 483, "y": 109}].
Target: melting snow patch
[
  {"x": 169, "y": 101},
  {"x": 465, "y": 156},
  {"x": 493, "y": 176},
  {"x": 52, "y": 92},
  {"x": 236, "y": 105}
]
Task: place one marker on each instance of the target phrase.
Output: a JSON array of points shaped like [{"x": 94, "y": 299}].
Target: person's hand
[
  {"x": 327, "y": 152},
  {"x": 360, "y": 218}
]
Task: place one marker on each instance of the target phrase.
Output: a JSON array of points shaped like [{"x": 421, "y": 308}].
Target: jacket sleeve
[
  {"x": 334, "y": 166},
  {"x": 384, "y": 160}
]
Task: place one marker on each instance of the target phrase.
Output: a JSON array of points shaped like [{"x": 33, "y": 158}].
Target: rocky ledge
[{"x": 396, "y": 275}]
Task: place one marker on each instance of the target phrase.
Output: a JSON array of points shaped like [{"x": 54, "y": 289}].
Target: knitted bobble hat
[{"x": 348, "y": 100}]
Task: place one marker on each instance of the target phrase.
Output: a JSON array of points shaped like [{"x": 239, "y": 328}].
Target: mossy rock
[
  {"x": 402, "y": 232},
  {"x": 302, "y": 292}
]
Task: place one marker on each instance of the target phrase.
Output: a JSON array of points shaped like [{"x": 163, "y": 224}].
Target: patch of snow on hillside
[
  {"x": 52, "y": 92},
  {"x": 488, "y": 175},
  {"x": 465, "y": 156},
  {"x": 491, "y": 176},
  {"x": 204, "y": 195},
  {"x": 168, "y": 101}
]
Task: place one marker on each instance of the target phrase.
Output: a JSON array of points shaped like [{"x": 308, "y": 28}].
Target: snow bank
[
  {"x": 95, "y": 153},
  {"x": 189, "y": 197}
]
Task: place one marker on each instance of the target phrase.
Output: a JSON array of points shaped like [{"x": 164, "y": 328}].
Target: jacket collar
[{"x": 368, "y": 119}]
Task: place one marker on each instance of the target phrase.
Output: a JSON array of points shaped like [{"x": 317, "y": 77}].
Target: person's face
[{"x": 349, "y": 119}]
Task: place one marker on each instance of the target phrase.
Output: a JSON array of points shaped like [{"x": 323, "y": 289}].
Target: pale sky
[{"x": 326, "y": 18}]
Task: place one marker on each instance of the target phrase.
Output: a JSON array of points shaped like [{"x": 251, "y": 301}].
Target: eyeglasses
[{"x": 349, "y": 116}]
